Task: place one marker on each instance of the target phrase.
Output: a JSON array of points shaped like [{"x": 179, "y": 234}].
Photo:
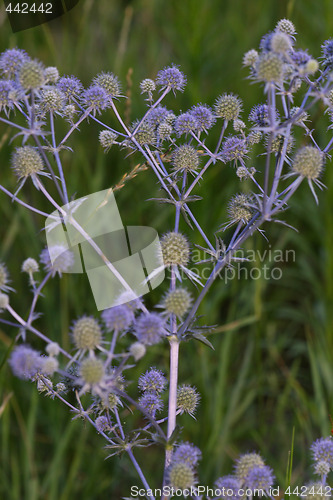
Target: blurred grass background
[{"x": 271, "y": 370}]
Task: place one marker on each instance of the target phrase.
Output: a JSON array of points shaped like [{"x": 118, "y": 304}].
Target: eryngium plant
[{"x": 177, "y": 149}]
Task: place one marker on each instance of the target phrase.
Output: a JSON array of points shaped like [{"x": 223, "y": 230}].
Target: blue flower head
[
  {"x": 322, "y": 449},
  {"x": 171, "y": 77}
]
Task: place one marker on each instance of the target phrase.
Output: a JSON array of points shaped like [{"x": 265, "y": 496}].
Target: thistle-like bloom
[
  {"x": 118, "y": 318},
  {"x": 151, "y": 403},
  {"x": 317, "y": 491},
  {"x": 107, "y": 138},
  {"x": 52, "y": 99},
  {"x": 70, "y": 86},
  {"x": 281, "y": 43},
  {"x": 147, "y": 86},
  {"x": 172, "y": 78},
  {"x": 26, "y": 161},
  {"x": 322, "y": 449},
  {"x": 186, "y": 453},
  {"x": 149, "y": 328},
  {"x": 109, "y": 82},
  {"x": 157, "y": 115},
  {"x": 30, "y": 266},
  {"x": 175, "y": 249},
  {"x": 152, "y": 381},
  {"x": 51, "y": 74},
  {"x": 181, "y": 476},
  {"x": 269, "y": 68},
  {"x": 4, "y": 278},
  {"x": 6, "y": 102},
  {"x": 300, "y": 57},
  {"x": 4, "y": 301},
  {"x": 259, "y": 115},
  {"x": 234, "y": 148},
  {"x": 49, "y": 365},
  {"x": 176, "y": 302},
  {"x": 309, "y": 163},
  {"x": 286, "y": 26},
  {"x": 259, "y": 477},
  {"x": 137, "y": 350},
  {"x": 322, "y": 468},
  {"x": 185, "y": 124},
  {"x": 187, "y": 399},
  {"x": 250, "y": 58},
  {"x": 327, "y": 52},
  {"x": 11, "y": 60},
  {"x": 25, "y": 362},
  {"x": 145, "y": 134},
  {"x": 95, "y": 98},
  {"x": 231, "y": 483},
  {"x": 57, "y": 259},
  {"x": 204, "y": 117},
  {"x": 185, "y": 158},
  {"x": 92, "y": 374},
  {"x": 245, "y": 463},
  {"x": 102, "y": 424},
  {"x": 228, "y": 107},
  {"x": 240, "y": 209},
  {"x": 31, "y": 75},
  {"x": 86, "y": 333}
]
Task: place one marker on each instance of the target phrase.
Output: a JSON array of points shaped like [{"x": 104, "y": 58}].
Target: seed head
[
  {"x": 25, "y": 362},
  {"x": 11, "y": 60},
  {"x": 137, "y": 350},
  {"x": 250, "y": 58},
  {"x": 238, "y": 125},
  {"x": 228, "y": 107},
  {"x": 177, "y": 302},
  {"x": 175, "y": 249},
  {"x": 185, "y": 124},
  {"x": 31, "y": 75},
  {"x": 151, "y": 403},
  {"x": 239, "y": 208},
  {"x": 92, "y": 371},
  {"x": 109, "y": 82},
  {"x": 246, "y": 463},
  {"x": 303, "y": 116},
  {"x": 187, "y": 399},
  {"x": 52, "y": 100},
  {"x": 87, "y": 333},
  {"x": 172, "y": 78},
  {"x": 107, "y": 139},
  {"x": 280, "y": 42},
  {"x": 286, "y": 26},
  {"x": 57, "y": 259},
  {"x": 269, "y": 67},
  {"x": 26, "y": 161},
  {"x": 69, "y": 112},
  {"x": 149, "y": 328},
  {"x": 51, "y": 74},
  {"x": 181, "y": 476},
  {"x": 185, "y": 158},
  {"x": 4, "y": 301},
  {"x": 118, "y": 318},
  {"x": 152, "y": 381},
  {"x": 30, "y": 266},
  {"x": 308, "y": 162}
]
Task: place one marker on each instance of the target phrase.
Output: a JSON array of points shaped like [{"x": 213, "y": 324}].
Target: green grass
[{"x": 271, "y": 371}]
